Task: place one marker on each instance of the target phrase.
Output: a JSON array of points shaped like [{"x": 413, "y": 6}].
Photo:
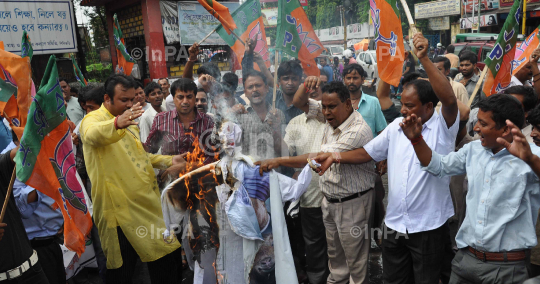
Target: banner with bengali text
[{"x": 50, "y": 25}]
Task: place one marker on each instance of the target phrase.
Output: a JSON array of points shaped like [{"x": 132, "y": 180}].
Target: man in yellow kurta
[{"x": 127, "y": 209}]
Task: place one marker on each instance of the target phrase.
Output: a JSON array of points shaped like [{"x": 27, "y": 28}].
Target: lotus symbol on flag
[
  {"x": 256, "y": 34},
  {"x": 64, "y": 167},
  {"x": 392, "y": 40}
]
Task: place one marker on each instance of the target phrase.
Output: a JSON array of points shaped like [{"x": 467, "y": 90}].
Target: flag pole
[
  {"x": 8, "y": 194},
  {"x": 478, "y": 84},
  {"x": 276, "y": 54},
  {"x": 410, "y": 19},
  {"x": 207, "y": 36},
  {"x": 241, "y": 41}
]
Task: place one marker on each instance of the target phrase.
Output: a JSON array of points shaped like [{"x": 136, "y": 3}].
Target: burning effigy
[{"x": 230, "y": 219}]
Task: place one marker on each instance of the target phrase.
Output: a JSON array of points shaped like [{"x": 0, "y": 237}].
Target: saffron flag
[
  {"x": 78, "y": 74},
  {"x": 26, "y": 46},
  {"x": 15, "y": 94},
  {"x": 386, "y": 19},
  {"x": 525, "y": 50},
  {"x": 125, "y": 61},
  {"x": 295, "y": 36},
  {"x": 499, "y": 60},
  {"x": 250, "y": 25},
  {"x": 46, "y": 162},
  {"x": 221, "y": 13}
]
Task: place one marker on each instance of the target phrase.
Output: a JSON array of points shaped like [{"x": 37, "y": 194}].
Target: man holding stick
[{"x": 19, "y": 262}]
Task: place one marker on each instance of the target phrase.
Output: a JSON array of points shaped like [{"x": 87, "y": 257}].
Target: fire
[{"x": 194, "y": 159}]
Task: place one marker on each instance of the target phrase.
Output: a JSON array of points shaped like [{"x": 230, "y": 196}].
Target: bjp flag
[
  {"x": 389, "y": 37},
  {"x": 296, "y": 37},
  {"x": 524, "y": 51},
  {"x": 125, "y": 61},
  {"x": 250, "y": 25},
  {"x": 15, "y": 89},
  {"x": 45, "y": 159},
  {"x": 220, "y": 12},
  {"x": 499, "y": 60}
]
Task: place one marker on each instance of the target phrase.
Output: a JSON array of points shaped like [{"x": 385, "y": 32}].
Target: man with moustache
[
  {"x": 175, "y": 131},
  {"x": 201, "y": 101},
  {"x": 124, "y": 188},
  {"x": 261, "y": 125},
  {"x": 348, "y": 189}
]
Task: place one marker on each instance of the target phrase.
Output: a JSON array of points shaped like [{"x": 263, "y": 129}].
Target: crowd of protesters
[{"x": 463, "y": 182}]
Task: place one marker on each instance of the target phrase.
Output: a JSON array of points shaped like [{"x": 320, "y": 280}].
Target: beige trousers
[{"x": 348, "y": 235}]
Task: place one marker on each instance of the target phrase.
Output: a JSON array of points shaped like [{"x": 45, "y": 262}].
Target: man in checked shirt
[{"x": 175, "y": 131}]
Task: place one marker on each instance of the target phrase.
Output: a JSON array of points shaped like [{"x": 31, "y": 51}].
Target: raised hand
[
  {"x": 412, "y": 126},
  {"x": 421, "y": 45},
  {"x": 126, "y": 119},
  {"x": 519, "y": 146},
  {"x": 193, "y": 52},
  {"x": 312, "y": 83},
  {"x": 535, "y": 56},
  {"x": 250, "y": 45},
  {"x": 274, "y": 120},
  {"x": 206, "y": 82}
]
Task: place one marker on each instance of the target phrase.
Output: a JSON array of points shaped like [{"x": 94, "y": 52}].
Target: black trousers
[
  {"x": 418, "y": 258},
  {"x": 162, "y": 271},
  {"x": 52, "y": 260},
  {"x": 294, "y": 228},
  {"x": 34, "y": 275},
  {"x": 315, "y": 240}
]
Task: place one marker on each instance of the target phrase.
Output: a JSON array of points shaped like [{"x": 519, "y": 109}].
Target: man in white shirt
[
  {"x": 165, "y": 87},
  {"x": 73, "y": 108},
  {"x": 419, "y": 204},
  {"x": 154, "y": 96},
  {"x": 140, "y": 97}
]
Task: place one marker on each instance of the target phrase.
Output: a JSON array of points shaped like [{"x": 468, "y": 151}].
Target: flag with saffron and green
[
  {"x": 250, "y": 24},
  {"x": 15, "y": 89},
  {"x": 499, "y": 60},
  {"x": 221, "y": 13},
  {"x": 125, "y": 61},
  {"x": 295, "y": 36},
  {"x": 45, "y": 159},
  {"x": 525, "y": 50},
  {"x": 78, "y": 74}
]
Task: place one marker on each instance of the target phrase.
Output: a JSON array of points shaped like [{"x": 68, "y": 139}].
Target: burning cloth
[{"x": 230, "y": 219}]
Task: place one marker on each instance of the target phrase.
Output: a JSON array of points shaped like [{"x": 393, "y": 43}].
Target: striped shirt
[
  {"x": 342, "y": 180},
  {"x": 257, "y": 135},
  {"x": 168, "y": 134},
  {"x": 303, "y": 136}
]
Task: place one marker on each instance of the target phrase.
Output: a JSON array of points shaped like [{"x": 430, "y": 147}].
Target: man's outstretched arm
[
  {"x": 356, "y": 156},
  {"x": 440, "y": 84}
]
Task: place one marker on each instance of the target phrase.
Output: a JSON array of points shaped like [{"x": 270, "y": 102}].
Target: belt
[
  {"x": 21, "y": 269},
  {"x": 499, "y": 256},
  {"x": 347, "y": 198},
  {"x": 42, "y": 242}
]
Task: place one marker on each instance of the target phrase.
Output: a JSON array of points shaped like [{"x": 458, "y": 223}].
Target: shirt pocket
[{"x": 508, "y": 191}]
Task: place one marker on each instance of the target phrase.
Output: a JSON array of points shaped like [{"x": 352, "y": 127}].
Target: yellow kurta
[{"x": 124, "y": 188}]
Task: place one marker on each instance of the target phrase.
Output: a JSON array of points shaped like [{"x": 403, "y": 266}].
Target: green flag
[
  {"x": 295, "y": 35},
  {"x": 78, "y": 74},
  {"x": 26, "y": 46}
]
